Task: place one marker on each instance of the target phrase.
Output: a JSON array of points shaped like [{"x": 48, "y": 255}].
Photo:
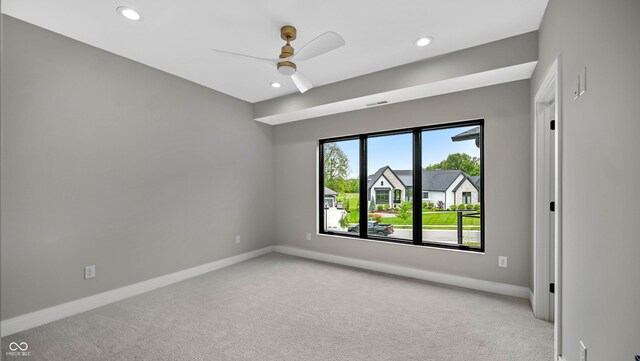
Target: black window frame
[{"x": 417, "y": 185}]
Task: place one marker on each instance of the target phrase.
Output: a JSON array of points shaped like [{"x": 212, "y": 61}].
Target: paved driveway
[{"x": 437, "y": 235}]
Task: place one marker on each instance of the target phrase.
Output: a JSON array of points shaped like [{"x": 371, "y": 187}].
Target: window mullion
[
  {"x": 417, "y": 186},
  {"x": 364, "y": 204}
]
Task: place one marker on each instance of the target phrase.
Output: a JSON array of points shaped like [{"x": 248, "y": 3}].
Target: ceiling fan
[{"x": 322, "y": 44}]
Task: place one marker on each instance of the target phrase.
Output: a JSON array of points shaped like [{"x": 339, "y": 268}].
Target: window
[
  {"x": 451, "y": 163},
  {"x": 328, "y": 201},
  {"x": 409, "y": 194},
  {"x": 466, "y": 197},
  {"x": 397, "y": 196},
  {"x": 340, "y": 186},
  {"x": 382, "y": 196},
  {"x": 390, "y": 158},
  {"x": 376, "y": 175}
]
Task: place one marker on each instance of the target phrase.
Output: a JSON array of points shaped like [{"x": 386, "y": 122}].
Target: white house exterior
[
  {"x": 386, "y": 188},
  {"x": 466, "y": 193},
  {"x": 452, "y": 187}
]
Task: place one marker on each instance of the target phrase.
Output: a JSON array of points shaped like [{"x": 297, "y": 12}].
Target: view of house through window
[
  {"x": 450, "y": 208},
  {"x": 389, "y": 164},
  {"x": 451, "y": 178},
  {"x": 341, "y": 167}
]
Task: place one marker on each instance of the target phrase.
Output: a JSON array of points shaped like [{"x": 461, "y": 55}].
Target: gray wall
[
  {"x": 109, "y": 162},
  {"x": 601, "y": 204},
  {"x": 507, "y": 181}
]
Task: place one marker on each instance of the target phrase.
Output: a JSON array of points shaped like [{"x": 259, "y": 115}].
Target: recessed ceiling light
[
  {"x": 424, "y": 41},
  {"x": 275, "y": 84},
  {"x": 129, "y": 13}
]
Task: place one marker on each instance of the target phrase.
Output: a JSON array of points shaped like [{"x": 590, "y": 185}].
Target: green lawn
[
  {"x": 351, "y": 202},
  {"x": 438, "y": 220},
  {"x": 352, "y": 199},
  {"x": 430, "y": 220}
]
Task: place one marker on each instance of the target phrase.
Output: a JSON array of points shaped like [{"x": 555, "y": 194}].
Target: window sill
[{"x": 401, "y": 243}]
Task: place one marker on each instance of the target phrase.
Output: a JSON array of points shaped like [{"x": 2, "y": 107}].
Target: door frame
[{"x": 549, "y": 92}]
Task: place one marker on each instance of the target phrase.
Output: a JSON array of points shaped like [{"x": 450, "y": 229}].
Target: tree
[
  {"x": 352, "y": 185},
  {"x": 458, "y": 161},
  {"x": 336, "y": 167},
  {"x": 344, "y": 221},
  {"x": 404, "y": 212},
  {"x": 372, "y": 206}
]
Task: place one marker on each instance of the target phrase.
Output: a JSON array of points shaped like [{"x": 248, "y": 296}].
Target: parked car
[{"x": 374, "y": 228}]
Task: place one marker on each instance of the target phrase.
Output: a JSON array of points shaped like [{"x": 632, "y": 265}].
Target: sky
[{"x": 395, "y": 150}]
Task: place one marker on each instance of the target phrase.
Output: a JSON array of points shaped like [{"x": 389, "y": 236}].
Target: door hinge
[
  {"x": 553, "y": 125},
  {"x": 552, "y": 288},
  {"x": 552, "y": 206}
]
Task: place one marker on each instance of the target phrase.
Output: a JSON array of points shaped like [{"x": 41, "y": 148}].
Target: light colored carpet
[{"x": 278, "y": 307}]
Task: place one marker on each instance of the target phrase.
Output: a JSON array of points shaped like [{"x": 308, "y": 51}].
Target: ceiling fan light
[{"x": 286, "y": 70}]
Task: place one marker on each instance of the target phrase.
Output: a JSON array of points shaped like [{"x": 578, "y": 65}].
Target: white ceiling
[{"x": 177, "y": 36}]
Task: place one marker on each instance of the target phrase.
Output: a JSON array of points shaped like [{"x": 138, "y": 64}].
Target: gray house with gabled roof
[
  {"x": 452, "y": 187},
  {"x": 330, "y": 197},
  {"x": 333, "y": 210}
]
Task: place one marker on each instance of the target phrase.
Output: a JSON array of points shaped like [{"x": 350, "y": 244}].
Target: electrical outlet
[
  {"x": 237, "y": 239},
  {"x": 89, "y": 272},
  {"x": 308, "y": 236},
  {"x": 583, "y": 352},
  {"x": 502, "y": 261}
]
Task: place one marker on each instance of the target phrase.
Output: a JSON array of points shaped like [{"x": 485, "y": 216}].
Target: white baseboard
[
  {"x": 453, "y": 280},
  {"x": 532, "y": 300},
  {"x": 37, "y": 318}
]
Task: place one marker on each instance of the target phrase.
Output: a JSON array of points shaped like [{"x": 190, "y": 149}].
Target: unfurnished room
[{"x": 320, "y": 180}]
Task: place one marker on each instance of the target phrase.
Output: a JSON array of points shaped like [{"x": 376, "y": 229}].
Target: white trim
[
  {"x": 557, "y": 325},
  {"x": 548, "y": 92},
  {"x": 532, "y": 300},
  {"x": 397, "y": 244},
  {"x": 37, "y": 318},
  {"x": 453, "y": 280},
  {"x": 446, "y": 86}
]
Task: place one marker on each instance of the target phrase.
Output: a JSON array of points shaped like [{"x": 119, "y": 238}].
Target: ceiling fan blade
[
  {"x": 264, "y": 60},
  {"x": 320, "y": 45},
  {"x": 302, "y": 82}
]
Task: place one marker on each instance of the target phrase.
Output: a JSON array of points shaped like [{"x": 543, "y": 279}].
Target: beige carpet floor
[{"x": 278, "y": 307}]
